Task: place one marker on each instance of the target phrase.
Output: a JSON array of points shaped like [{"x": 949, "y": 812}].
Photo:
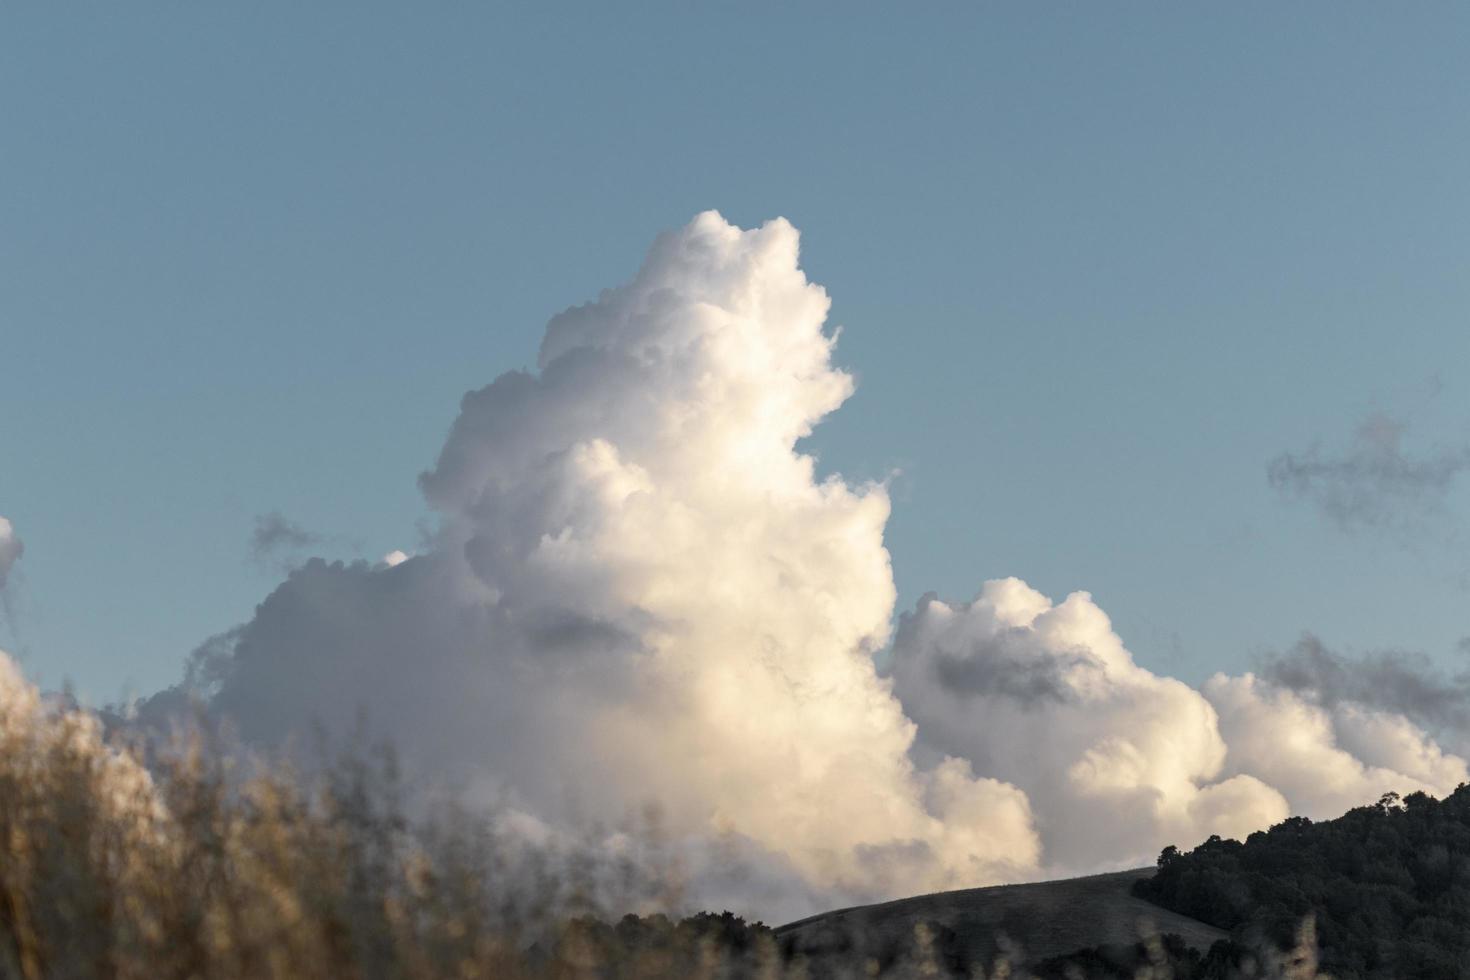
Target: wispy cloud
[
  {"x": 1374, "y": 483},
  {"x": 275, "y": 535}
]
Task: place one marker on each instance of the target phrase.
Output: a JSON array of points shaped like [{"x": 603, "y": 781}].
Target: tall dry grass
[{"x": 184, "y": 869}]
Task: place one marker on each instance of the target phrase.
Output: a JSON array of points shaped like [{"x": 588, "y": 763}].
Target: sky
[
  {"x": 1168, "y": 305},
  {"x": 1094, "y": 269}
]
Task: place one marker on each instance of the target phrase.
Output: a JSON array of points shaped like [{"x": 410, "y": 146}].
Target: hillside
[{"x": 1032, "y": 922}]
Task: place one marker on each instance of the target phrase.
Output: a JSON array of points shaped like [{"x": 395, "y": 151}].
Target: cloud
[
  {"x": 36, "y": 729},
  {"x": 1374, "y": 484},
  {"x": 1116, "y": 760},
  {"x": 274, "y": 533},
  {"x": 639, "y": 591},
  {"x": 1326, "y": 759},
  {"x": 1395, "y": 681},
  {"x": 11, "y": 549},
  {"x": 1113, "y": 758}
]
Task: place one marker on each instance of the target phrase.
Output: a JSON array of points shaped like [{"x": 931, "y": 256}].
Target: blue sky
[{"x": 1095, "y": 268}]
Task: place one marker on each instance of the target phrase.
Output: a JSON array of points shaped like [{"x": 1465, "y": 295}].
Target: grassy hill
[{"x": 1030, "y": 922}]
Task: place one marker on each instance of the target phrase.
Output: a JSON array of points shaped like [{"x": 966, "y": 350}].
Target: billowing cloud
[
  {"x": 1326, "y": 759},
  {"x": 1374, "y": 483},
  {"x": 1113, "y": 758},
  {"x": 1116, "y": 760},
  {"x": 11, "y": 548},
  {"x": 639, "y": 592}
]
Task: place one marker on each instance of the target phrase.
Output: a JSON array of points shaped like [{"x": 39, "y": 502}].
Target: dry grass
[{"x": 182, "y": 869}]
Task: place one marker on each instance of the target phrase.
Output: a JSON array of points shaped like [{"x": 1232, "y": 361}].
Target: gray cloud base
[{"x": 1402, "y": 682}]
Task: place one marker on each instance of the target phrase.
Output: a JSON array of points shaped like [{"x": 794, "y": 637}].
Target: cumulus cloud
[
  {"x": 639, "y": 591},
  {"x": 1374, "y": 483},
  {"x": 11, "y": 548},
  {"x": 1116, "y": 760},
  {"x": 1113, "y": 758},
  {"x": 1326, "y": 759}
]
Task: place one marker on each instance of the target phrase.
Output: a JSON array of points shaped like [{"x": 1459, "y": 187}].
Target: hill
[{"x": 1029, "y": 922}]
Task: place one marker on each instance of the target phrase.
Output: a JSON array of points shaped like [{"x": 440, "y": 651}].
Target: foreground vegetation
[
  {"x": 135, "y": 862},
  {"x": 182, "y": 868},
  {"x": 121, "y": 863}
]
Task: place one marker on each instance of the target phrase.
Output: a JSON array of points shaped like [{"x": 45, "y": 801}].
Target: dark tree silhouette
[{"x": 1387, "y": 885}]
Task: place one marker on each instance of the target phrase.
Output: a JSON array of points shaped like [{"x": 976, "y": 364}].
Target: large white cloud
[{"x": 641, "y": 592}]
